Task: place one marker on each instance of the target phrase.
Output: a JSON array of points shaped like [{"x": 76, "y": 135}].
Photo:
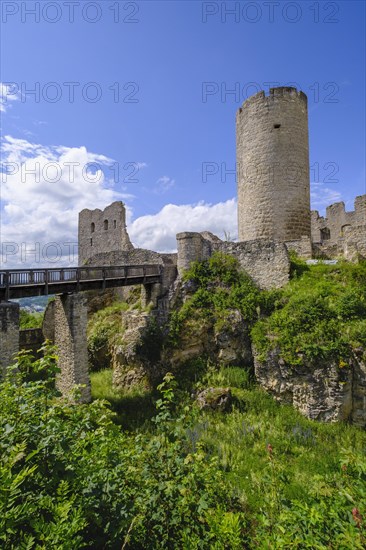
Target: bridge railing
[{"x": 29, "y": 277}]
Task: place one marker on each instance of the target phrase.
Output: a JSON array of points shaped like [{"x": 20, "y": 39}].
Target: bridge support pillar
[
  {"x": 9, "y": 333},
  {"x": 150, "y": 294},
  {"x": 70, "y": 339}
]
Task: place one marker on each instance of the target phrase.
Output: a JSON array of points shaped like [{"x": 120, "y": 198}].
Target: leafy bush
[
  {"x": 220, "y": 286},
  {"x": 30, "y": 320},
  {"x": 321, "y": 315},
  {"x": 104, "y": 326},
  {"x": 70, "y": 478}
]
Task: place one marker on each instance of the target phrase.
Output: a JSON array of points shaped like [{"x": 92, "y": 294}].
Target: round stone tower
[{"x": 273, "y": 166}]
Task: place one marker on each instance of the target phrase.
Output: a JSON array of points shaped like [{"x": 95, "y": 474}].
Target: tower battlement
[{"x": 285, "y": 92}]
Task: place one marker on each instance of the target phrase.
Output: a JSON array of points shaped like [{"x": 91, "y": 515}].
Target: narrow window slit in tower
[
  {"x": 114, "y": 224},
  {"x": 277, "y": 126},
  {"x": 91, "y": 242}
]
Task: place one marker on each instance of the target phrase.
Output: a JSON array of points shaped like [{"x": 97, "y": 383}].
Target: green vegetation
[
  {"x": 301, "y": 484},
  {"x": 219, "y": 287},
  {"x": 319, "y": 315},
  {"x": 140, "y": 470},
  {"x": 133, "y": 407},
  {"x": 104, "y": 327},
  {"x": 30, "y": 320},
  {"x": 71, "y": 478},
  {"x": 260, "y": 476}
]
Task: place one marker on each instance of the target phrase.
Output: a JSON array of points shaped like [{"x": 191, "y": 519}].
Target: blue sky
[{"x": 141, "y": 90}]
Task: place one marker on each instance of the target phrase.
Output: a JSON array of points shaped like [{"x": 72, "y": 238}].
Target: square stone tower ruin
[
  {"x": 102, "y": 231},
  {"x": 273, "y": 166}
]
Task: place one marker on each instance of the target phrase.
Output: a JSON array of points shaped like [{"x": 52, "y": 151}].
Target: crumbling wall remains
[
  {"x": 340, "y": 233},
  {"x": 9, "y": 334},
  {"x": 267, "y": 262},
  {"x": 102, "y": 231}
]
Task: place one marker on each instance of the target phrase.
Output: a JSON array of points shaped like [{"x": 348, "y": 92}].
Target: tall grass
[{"x": 133, "y": 407}]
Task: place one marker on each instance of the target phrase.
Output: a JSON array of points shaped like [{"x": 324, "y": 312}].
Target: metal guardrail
[{"x": 16, "y": 278}]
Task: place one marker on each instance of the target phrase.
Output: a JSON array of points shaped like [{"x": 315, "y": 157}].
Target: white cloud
[
  {"x": 7, "y": 95},
  {"x": 164, "y": 184},
  {"x": 43, "y": 189},
  {"x": 321, "y": 197},
  {"x": 158, "y": 231}
]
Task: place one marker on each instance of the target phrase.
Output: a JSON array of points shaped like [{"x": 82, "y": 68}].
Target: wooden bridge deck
[{"x": 20, "y": 283}]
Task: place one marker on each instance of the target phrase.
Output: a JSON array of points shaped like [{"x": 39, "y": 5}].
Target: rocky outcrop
[
  {"x": 136, "y": 359},
  {"x": 326, "y": 391},
  {"x": 224, "y": 341},
  {"x": 231, "y": 339}
]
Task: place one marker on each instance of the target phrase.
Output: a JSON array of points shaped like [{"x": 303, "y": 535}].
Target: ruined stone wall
[
  {"x": 70, "y": 338},
  {"x": 102, "y": 231},
  {"x": 273, "y": 166},
  {"x": 135, "y": 256},
  {"x": 340, "y": 233},
  {"x": 9, "y": 333},
  {"x": 267, "y": 262},
  {"x": 354, "y": 242},
  {"x": 302, "y": 247},
  {"x": 332, "y": 227}
]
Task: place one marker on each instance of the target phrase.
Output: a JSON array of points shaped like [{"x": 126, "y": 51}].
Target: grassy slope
[
  {"x": 303, "y": 487},
  {"x": 298, "y": 481}
]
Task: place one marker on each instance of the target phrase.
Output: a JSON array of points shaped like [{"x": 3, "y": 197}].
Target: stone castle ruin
[
  {"x": 102, "y": 231},
  {"x": 274, "y": 217},
  {"x": 340, "y": 233},
  {"x": 272, "y": 148}
]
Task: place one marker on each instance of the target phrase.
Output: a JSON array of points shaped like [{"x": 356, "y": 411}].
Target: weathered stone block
[
  {"x": 9, "y": 333},
  {"x": 322, "y": 391},
  {"x": 70, "y": 338}
]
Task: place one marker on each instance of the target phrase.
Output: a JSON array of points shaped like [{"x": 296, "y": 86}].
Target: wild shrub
[
  {"x": 71, "y": 478},
  {"x": 321, "y": 316},
  {"x": 30, "y": 320},
  {"x": 220, "y": 287}
]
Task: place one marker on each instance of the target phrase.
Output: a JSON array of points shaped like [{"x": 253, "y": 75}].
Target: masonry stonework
[
  {"x": 102, "y": 231},
  {"x": 273, "y": 166},
  {"x": 9, "y": 334},
  {"x": 340, "y": 233},
  {"x": 267, "y": 262},
  {"x": 71, "y": 340}
]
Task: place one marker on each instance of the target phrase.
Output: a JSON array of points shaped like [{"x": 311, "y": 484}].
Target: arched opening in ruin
[
  {"x": 105, "y": 224},
  {"x": 92, "y": 227},
  {"x": 343, "y": 228}
]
